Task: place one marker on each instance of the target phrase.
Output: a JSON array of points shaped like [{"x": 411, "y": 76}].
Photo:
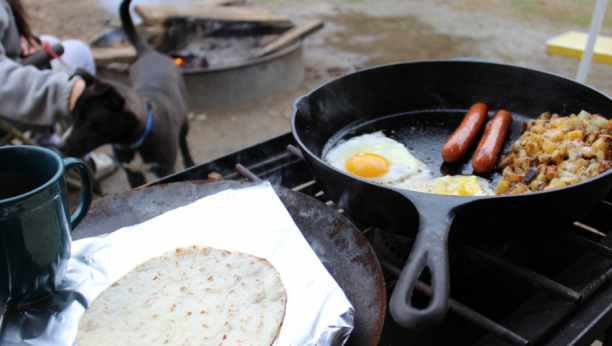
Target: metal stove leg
[{"x": 607, "y": 341}]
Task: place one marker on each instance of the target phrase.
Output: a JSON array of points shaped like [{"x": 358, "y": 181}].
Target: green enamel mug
[{"x": 35, "y": 220}]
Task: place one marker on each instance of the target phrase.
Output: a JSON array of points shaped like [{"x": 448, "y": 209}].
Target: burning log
[
  {"x": 158, "y": 14},
  {"x": 289, "y": 37},
  {"x": 209, "y": 3},
  {"x": 113, "y": 54}
]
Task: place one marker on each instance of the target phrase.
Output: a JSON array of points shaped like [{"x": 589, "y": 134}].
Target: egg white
[{"x": 402, "y": 164}]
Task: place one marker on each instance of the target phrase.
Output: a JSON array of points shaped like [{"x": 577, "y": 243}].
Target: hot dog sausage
[
  {"x": 460, "y": 140},
  {"x": 491, "y": 142}
]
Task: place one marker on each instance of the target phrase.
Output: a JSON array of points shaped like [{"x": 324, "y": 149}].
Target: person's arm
[
  {"x": 30, "y": 95},
  {"x": 77, "y": 90}
]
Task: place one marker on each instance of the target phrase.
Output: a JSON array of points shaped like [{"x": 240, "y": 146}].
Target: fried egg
[
  {"x": 377, "y": 158},
  {"x": 457, "y": 185},
  {"x": 380, "y": 159}
]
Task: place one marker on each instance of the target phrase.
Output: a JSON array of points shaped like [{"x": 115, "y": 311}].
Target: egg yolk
[{"x": 367, "y": 165}]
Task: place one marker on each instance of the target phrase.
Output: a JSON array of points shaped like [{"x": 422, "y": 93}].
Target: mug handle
[{"x": 86, "y": 190}]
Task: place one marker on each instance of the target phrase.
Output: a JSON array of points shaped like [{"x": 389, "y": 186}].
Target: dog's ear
[
  {"x": 86, "y": 76},
  {"x": 112, "y": 98},
  {"x": 107, "y": 94}
]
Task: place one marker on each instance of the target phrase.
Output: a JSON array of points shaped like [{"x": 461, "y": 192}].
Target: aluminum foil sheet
[{"x": 251, "y": 220}]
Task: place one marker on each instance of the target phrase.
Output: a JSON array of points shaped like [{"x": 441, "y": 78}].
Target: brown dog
[{"x": 146, "y": 123}]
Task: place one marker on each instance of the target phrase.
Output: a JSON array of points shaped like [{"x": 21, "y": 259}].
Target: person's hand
[
  {"x": 29, "y": 47},
  {"x": 77, "y": 90}
]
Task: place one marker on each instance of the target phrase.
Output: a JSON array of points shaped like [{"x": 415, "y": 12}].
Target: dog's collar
[{"x": 144, "y": 135}]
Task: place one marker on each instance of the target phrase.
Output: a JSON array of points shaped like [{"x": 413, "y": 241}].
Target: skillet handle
[{"x": 430, "y": 250}]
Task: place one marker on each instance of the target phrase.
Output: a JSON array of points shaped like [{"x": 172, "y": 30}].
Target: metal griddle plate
[{"x": 348, "y": 255}]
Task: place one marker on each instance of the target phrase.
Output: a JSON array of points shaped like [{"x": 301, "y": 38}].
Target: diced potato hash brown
[{"x": 556, "y": 151}]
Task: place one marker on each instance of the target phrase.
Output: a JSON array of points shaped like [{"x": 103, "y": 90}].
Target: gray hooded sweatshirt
[{"x": 27, "y": 94}]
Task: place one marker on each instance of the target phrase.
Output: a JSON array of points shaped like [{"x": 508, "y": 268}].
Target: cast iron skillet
[{"x": 420, "y": 104}]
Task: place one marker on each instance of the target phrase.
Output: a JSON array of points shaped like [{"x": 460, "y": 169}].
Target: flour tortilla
[{"x": 190, "y": 296}]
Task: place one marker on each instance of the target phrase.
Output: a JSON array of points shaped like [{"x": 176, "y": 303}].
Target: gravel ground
[{"x": 360, "y": 34}]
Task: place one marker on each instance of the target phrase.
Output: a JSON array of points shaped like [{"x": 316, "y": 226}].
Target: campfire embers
[
  {"x": 196, "y": 44},
  {"x": 215, "y": 44},
  {"x": 216, "y": 51},
  {"x": 189, "y": 60}
]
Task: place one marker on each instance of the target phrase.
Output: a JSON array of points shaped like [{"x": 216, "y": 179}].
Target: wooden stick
[
  {"x": 290, "y": 36},
  {"x": 6, "y": 127},
  {"x": 63, "y": 125},
  {"x": 209, "y": 3},
  {"x": 104, "y": 56},
  {"x": 5, "y": 139},
  {"x": 157, "y": 14}
]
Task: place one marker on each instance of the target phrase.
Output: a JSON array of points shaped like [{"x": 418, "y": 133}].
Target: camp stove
[{"x": 547, "y": 290}]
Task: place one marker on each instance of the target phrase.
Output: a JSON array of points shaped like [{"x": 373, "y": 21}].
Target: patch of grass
[
  {"x": 576, "y": 12},
  {"x": 524, "y": 4},
  {"x": 564, "y": 13}
]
